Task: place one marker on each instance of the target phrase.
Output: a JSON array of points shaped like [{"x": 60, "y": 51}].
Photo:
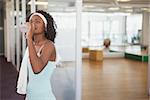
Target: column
[
  {"x": 145, "y": 28},
  {"x": 23, "y": 21},
  {"x": 148, "y": 25},
  {"x": 78, "y": 52},
  {"x": 17, "y": 34}
]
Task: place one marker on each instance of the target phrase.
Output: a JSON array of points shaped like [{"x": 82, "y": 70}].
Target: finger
[
  {"x": 32, "y": 26},
  {"x": 28, "y": 25}
]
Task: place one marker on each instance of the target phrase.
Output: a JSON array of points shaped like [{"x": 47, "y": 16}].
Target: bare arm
[{"x": 38, "y": 63}]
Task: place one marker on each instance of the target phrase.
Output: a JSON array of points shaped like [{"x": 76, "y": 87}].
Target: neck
[{"x": 39, "y": 38}]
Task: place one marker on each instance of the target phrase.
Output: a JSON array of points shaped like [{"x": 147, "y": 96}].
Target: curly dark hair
[{"x": 50, "y": 32}]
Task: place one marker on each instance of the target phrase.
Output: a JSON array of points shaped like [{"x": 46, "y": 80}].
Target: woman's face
[{"x": 38, "y": 24}]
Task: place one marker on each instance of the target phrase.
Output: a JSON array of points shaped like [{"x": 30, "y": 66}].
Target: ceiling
[
  {"x": 129, "y": 6},
  {"x": 136, "y": 6}
]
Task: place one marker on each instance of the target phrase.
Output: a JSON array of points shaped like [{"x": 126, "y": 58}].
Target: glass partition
[{"x": 64, "y": 14}]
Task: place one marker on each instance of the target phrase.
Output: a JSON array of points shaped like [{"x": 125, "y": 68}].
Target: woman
[{"x": 41, "y": 56}]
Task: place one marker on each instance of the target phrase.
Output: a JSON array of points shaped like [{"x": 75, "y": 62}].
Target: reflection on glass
[{"x": 63, "y": 79}]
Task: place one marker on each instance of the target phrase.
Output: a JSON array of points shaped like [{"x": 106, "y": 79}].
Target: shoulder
[{"x": 49, "y": 46}]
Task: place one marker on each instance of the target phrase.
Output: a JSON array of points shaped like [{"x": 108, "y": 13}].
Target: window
[{"x": 134, "y": 24}]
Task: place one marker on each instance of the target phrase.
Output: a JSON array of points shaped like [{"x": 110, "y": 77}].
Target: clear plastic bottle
[{"x": 23, "y": 28}]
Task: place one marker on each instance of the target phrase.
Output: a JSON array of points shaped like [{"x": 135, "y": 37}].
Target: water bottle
[{"x": 23, "y": 28}]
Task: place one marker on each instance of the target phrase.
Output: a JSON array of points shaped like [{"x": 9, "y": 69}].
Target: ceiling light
[
  {"x": 123, "y": 0},
  {"x": 50, "y": 4},
  {"x": 100, "y": 10},
  {"x": 39, "y": 3},
  {"x": 127, "y": 7},
  {"x": 89, "y": 6},
  {"x": 145, "y": 9},
  {"x": 114, "y": 8},
  {"x": 129, "y": 10},
  {"x": 121, "y": 14}
]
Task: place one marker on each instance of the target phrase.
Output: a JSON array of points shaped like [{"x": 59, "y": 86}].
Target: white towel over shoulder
[
  {"x": 22, "y": 79},
  {"x": 23, "y": 73}
]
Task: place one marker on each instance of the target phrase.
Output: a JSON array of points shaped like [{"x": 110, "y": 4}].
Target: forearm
[{"x": 35, "y": 61}]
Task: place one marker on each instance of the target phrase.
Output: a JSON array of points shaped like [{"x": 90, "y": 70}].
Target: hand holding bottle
[{"x": 27, "y": 29}]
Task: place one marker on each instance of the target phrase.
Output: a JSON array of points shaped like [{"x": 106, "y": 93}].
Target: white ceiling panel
[{"x": 129, "y": 5}]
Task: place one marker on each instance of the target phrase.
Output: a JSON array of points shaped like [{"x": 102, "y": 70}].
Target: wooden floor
[{"x": 114, "y": 79}]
